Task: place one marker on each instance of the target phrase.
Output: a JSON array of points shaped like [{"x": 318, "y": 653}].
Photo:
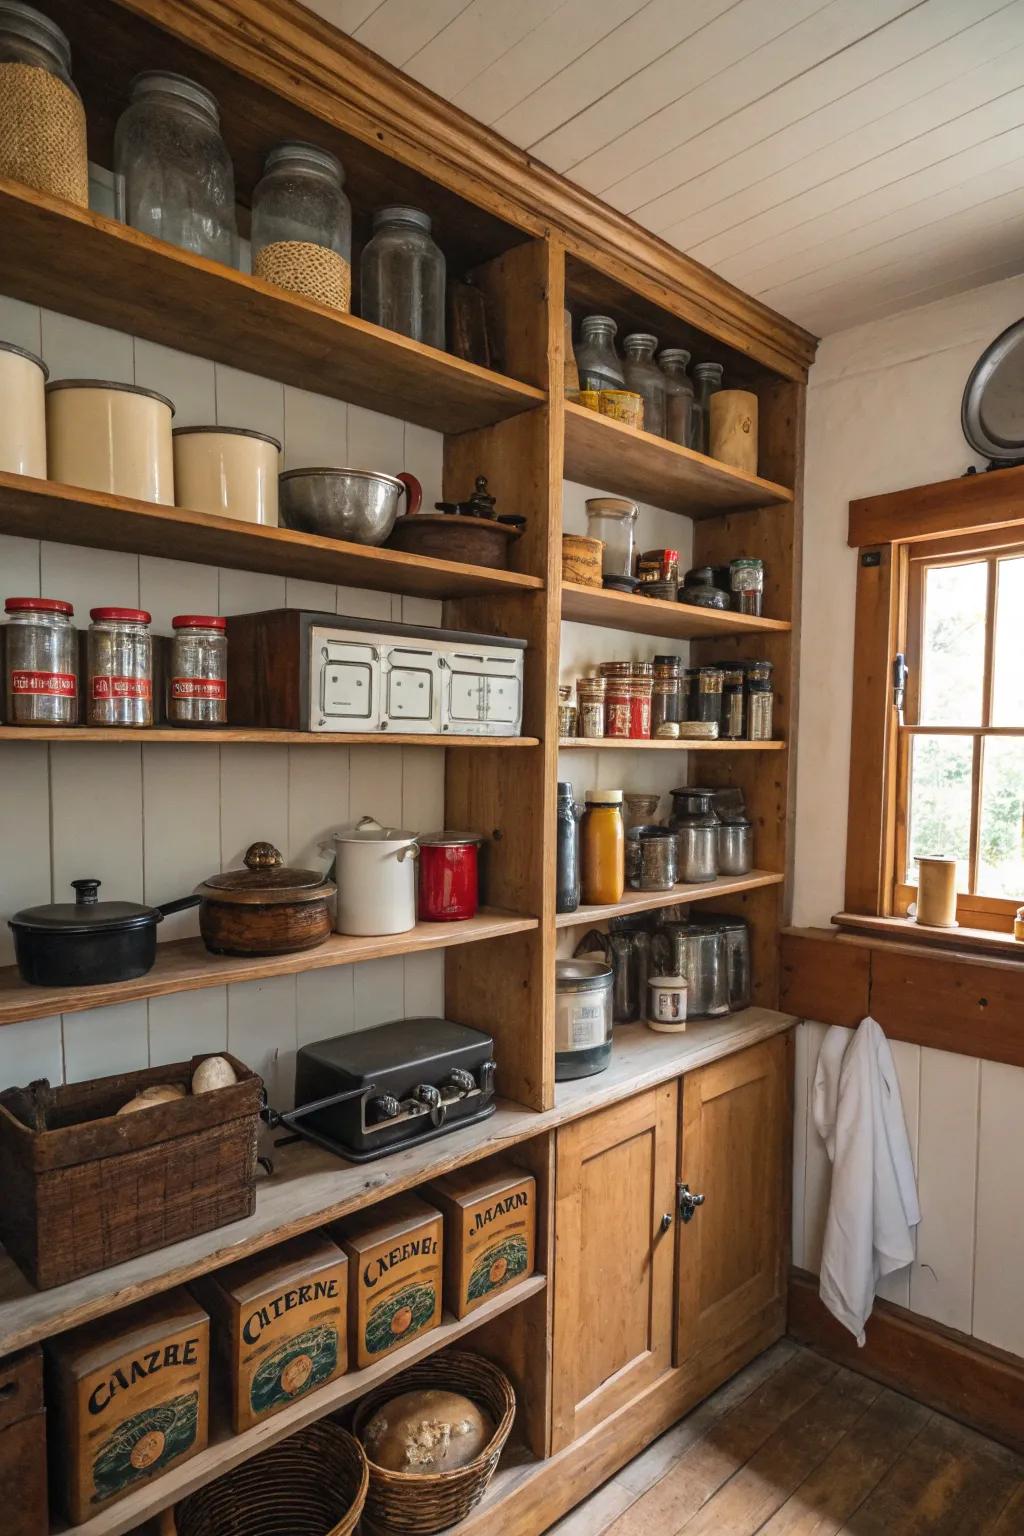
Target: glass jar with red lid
[
  {"x": 41, "y": 662},
  {"x": 119, "y": 690},
  {"x": 449, "y": 884},
  {"x": 197, "y": 683}
]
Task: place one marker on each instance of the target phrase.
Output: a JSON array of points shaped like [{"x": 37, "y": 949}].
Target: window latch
[{"x": 899, "y": 684}]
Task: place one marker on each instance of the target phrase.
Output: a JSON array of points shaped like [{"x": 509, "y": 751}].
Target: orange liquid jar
[{"x": 603, "y": 847}]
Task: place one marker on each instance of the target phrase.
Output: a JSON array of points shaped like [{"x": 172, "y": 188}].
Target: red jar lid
[
  {"x": 198, "y": 621},
  {"x": 37, "y": 604},
  {"x": 125, "y": 615}
]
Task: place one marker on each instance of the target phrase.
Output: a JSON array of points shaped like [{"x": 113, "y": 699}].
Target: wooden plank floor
[{"x": 796, "y": 1446}]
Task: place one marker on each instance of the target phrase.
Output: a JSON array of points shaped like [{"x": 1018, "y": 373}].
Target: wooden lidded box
[
  {"x": 23, "y": 1445},
  {"x": 490, "y": 1220},
  {"x": 128, "y": 1398},
  {"x": 85, "y": 1188},
  {"x": 395, "y": 1254},
  {"x": 279, "y": 1325}
]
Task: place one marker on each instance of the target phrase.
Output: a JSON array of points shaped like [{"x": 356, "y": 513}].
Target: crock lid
[
  {"x": 37, "y": 605},
  {"x": 8, "y": 346},
  {"x": 86, "y": 914},
  {"x": 263, "y": 437},
  {"x": 450, "y": 839},
  {"x": 266, "y": 880},
  {"x": 367, "y": 830},
  {"x": 198, "y": 621},
  {"x": 126, "y": 389},
  {"x": 119, "y": 615}
]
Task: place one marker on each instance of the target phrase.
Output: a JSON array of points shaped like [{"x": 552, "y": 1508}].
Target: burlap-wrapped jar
[{"x": 42, "y": 120}]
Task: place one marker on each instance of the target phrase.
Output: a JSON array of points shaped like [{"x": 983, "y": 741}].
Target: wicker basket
[
  {"x": 418, "y": 1504},
  {"x": 299, "y": 1487}
]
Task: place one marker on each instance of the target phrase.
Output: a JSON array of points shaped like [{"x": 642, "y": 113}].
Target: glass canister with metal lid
[
  {"x": 760, "y": 700},
  {"x": 302, "y": 225},
  {"x": 699, "y": 952},
  {"x": 40, "y": 662},
  {"x": 402, "y": 276},
  {"x": 678, "y": 396},
  {"x": 120, "y": 682},
  {"x": 644, "y": 377},
  {"x": 612, "y": 519},
  {"x": 695, "y": 824},
  {"x": 42, "y": 120},
  {"x": 737, "y": 945},
  {"x": 197, "y": 688},
  {"x": 597, "y": 361},
  {"x": 583, "y": 1018}
]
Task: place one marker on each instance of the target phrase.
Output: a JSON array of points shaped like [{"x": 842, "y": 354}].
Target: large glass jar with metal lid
[
  {"x": 583, "y": 1018},
  {"x": 197, "y": 688},
  {"x": 120, "y": 683},
  {"x": 695, "y": 824},
  {"x": 707, "y": 381},
  {"x": 597, "y": 362},
  {"x": 40, "y": 662},
  {"x": 402, "y": 276},
  {"x": 175, "y": 178},
  {"x": 302, "y": 225},
  {"x": 644, "y": 377},
  {"x": 42, "y": 120},
  {"x": 612, "y": 519},
  {"x": 678, "y": 396}
]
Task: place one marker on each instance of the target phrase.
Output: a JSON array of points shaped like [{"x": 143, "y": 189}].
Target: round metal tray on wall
[{"x": 992, "y": 410}]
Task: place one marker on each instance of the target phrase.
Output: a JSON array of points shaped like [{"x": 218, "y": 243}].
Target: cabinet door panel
[
  {"x": 613, "y": 1263},
  {"x": 733, "y": 1152}
]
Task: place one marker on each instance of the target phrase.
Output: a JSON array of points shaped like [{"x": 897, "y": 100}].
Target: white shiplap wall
[{"x": 151, "y": 821}]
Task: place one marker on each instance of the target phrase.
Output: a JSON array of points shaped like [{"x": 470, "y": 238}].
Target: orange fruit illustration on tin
[
  {"x": 148, "y": 1449},
  {"x": 296, "y": 1374},
  {"x": 498, "y": 1271},
  {"x": 402, "y": 1320}
]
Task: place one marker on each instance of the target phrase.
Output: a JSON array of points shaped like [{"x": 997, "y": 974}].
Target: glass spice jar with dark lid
[
  {"x": 731, "y": 724},
  {"x": 706, "y": 700}
]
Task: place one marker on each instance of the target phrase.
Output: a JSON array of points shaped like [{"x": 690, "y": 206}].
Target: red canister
[{"x": 449, "y": 885}]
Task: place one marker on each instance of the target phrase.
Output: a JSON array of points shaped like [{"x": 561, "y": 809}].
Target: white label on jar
[
  {"x": 199, "y": 688},
  {"x": 122, "y": 688},
  {"x": 586, "y": 1025},
  {"x": 61, "y": 684}
]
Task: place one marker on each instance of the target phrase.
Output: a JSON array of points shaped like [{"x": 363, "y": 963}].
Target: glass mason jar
[
  {"x": 302, "y": 225},
  {"x": 175, "y": 180},
  {"x": 197, "y": 689},
  {"x": 42, "y": 120},
  {"x": 707, "y": 379},
  {"x": 612, "y": 519},
  {"x": 402, "y": 276},
  {"x": 597, "y": 361},
  {"x": 120, "y": 651},
  {"x": 644, "y": 377},
  {"x": 678, "y": 396},
  {"x": 41, "y": 655}
]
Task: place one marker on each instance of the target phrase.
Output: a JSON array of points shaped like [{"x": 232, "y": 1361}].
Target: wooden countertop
[{"x": 310, "y": 1186}]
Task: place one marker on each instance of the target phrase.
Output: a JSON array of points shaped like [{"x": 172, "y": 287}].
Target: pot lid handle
[
  {"x": 85, "y": 892},
  {"x": 369, "y": 824},
  {"x": 262, "y": 856}
]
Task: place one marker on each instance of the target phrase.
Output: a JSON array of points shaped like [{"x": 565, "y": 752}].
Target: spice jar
[
  {"x": 591, "y": 697},
  {"x": 640, "y": 697},
  {"x": 197, "y": 689},
  {"x": 760, "y": 700},
  {"x": 567, "y": 850},
  {"x": 746, "y": 583},
  {"x": 667, "y": 698},
  {"x": 302, "y": 225},
  {"x": 602, "y": 847},
  {"x": 707, "y": 381},
  {"x": 41, "y": 662},
  {"x": 22, "y": 410},
  {"x": 644, "y": 377},
  {"x": 678, "y": 396},
  {"x": 658, "y": 565},
  {"x": 174, "y": 177},
  {"x": 731, "y": 724},
  {"x": 651, "y": 858},
  {"x": 566, "y": 712},
  {"x": 597, "y": 361},
  {"x": 120, "y": 668},
  {"x": 42, "y": 120},
  {"x": 402, "y": 276},
  {"x": 612, "y": 519},
  {"x": 706, "y": 700}
]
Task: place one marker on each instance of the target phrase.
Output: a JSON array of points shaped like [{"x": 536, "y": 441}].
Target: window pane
[
  {"x": 1008, "y": 691},
  {"x": 1001, "y": 831},
  {"x": 953, "y": 653},
  {"x": 940, "y": 802}
]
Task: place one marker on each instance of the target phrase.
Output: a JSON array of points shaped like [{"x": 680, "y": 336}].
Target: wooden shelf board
[
  {"x": 219, "y": 736},
  {"x": 44, "y": 509},
  {"x": 654, "y": 616},
  {"x": 185, "y": 965},
  {"x": 81, "y": 263},
  {"x": 604, "y": 743},
  {"x": 646, "y": 901},
  {"x": 602, "y": 452},
  {"x": 226, "y": 1450},
  {"x": 310, "y": 1186}
]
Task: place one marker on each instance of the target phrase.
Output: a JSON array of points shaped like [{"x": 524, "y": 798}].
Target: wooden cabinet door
[
  {"x": 613, "y": 1260},
  {"x": 733, "y": 1151}
]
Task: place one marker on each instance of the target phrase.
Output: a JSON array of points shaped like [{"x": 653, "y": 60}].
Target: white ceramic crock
[
  {"x": 229, "y": 471},
  {"x": 375, "y": 871},
  {"x": 666, "y": 1011},
  {"x": 22, "y": 412},
  {"x": 106, "y": 436}
]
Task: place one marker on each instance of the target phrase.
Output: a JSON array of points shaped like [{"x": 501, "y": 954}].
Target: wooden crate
[{"x": 23, "y": 1445}]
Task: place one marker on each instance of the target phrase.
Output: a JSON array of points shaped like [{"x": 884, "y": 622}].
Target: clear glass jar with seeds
[{"x": 302, "y": 225}]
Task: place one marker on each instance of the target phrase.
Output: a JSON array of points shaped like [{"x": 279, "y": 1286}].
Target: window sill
[{"x": 963, "y": 940}]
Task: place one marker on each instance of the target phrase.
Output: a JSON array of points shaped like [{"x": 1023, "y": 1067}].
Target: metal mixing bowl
[{"x": 356, "y": 504}]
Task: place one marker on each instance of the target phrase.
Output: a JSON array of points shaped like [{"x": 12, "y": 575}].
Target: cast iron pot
[{"x": 88, "y": 942}]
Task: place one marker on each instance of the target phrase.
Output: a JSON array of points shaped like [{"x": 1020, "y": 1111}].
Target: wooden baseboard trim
[{"x": 972, "y": 1382}]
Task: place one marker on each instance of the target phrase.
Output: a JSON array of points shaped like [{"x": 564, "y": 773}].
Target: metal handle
[
  {"x": 666, "y": 1221},
  {"x": 688, "y": 1203}
]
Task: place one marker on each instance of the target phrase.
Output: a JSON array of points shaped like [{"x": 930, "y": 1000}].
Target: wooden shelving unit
[
  {"x": 222, "y": 736},
  {"x": 607, "y": 743},
  {"x": 654, "y": 616},
  {"x": 680, "y": 895},
  {"x": 186, "y": 965}
]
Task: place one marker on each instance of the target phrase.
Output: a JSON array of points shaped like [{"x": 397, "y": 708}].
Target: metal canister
[
  {"x": 197, "y": 688},
  {"x": 737, "y": 945},
  {"x": 760, "y": 700},
  {"x": 120, "y": 684},
  {"x": 735, "y": 846},
  {"x": 698, "y": 951},
  {"x": 591, "y": 696},
  {"x": 695, "y": 825},
  {"x": 583, "y": 1018},
  {"x": 40, "y": 662}
]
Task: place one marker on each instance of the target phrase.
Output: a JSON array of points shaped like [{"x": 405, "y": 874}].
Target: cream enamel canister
[
  {"x": 229, "y": 471},
  {"x": 112, "y": 437},
  {"x": 375, "y": 871},
  {"x": 22, "y": 411}
]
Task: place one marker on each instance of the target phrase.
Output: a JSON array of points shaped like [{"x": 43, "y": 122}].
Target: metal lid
[
  {"x": 450, "y": 839},
  {"x": 297, "y": 149},
  {"x": 26, "y": 21},
  {"x": 151, "y": 81},
  {"x": 582, "y": 975},
  {"x": 401, "y": 213},
  {"x": 708, "y": 371},
  {"x": 198, "y": 621},
  {"x": 37, "y": 605},
  {"x": 591, "y": 323},
  {"x": 119, "y": 615},
  {"x": 8, "y": 346},
  {"x": 620, "y": 505},
  {"x": 692, "y": 789},
  {"x": 368, "y": 830},
  {"x": 565, "y": 790},
  {"x": 266, "y": 880},
  {"x": 127, "y": 389},
  {"x": 640, "y": 339},
  {"x": 263, "y": 437},
  {"x": 603, "y": 796},
  {"x": 746, "y": 560},
  {"x": 674, "y": 355},
  {"x": 362, "y": 474},
  {"x": 86, "y": 914}
]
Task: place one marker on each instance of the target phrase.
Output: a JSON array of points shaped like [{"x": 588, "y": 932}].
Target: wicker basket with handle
[
  {"x": 312, "y": 1484},
  {"x": 418, "y": 1504}
]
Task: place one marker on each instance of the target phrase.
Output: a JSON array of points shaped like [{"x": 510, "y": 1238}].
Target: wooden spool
[{"x": 734, "y": 429}]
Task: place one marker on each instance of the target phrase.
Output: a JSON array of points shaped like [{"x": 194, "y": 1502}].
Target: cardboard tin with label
[
  {"x": 129, "y": 1399},
  {"x": 395, "y": 1258},
  {"x": 490, "y": 1219},
  {"x": 279, "y": 1323}
]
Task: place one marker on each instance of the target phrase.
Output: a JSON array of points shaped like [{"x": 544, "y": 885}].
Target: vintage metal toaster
[
  {"x": 304, "y": 671},
  {"x": 366, "y": 1094}
]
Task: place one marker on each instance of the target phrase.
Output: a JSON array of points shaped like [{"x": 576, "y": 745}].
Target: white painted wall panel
[
  {"x": 942, "y": 1276},
  {"x": 999, "y": 1253}
]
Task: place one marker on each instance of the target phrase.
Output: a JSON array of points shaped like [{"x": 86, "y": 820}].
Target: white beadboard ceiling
[{"x": 840, "y": 159}]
